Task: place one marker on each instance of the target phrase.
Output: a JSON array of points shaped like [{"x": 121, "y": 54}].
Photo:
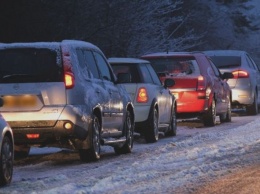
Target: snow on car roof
[
  {"x": 50, "y": 45},
  {"x": 126, "y": 60}
]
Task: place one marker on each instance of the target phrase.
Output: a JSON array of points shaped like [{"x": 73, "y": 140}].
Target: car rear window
[
  {"x": 179, "y": 66},
  {"x": 127, "y": 68},
  {"x": 226, "y": 61},
  {"x": 25, "y": 65}
]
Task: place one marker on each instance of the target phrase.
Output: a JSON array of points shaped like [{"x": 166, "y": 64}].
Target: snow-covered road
[{"x": 183, "y": 164}]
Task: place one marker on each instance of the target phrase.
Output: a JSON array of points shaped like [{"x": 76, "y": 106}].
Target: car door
[
  {"x": 221, "y": 89},
  {"x": 256, "y": 73},
  {"x": 161, "y": 93},
  {"x": 114, "y": 117}
]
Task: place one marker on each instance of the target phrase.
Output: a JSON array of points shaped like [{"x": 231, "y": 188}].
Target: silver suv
[{"x": 64, "y": 94}]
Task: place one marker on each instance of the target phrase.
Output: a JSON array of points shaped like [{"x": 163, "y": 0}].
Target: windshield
[
  {"x": 179, "y": 66},
  {"x": 226, "y": 61},
  {"x": 24, "y": 65}
]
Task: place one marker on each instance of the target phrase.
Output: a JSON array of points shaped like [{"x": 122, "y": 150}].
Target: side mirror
[
  {"x": 227, "y": 75},
  {"x": 123, "y": 78},
  {"x": 168, "y": 83}
]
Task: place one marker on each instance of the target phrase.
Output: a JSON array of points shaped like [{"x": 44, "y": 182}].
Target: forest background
[{"x": 131, "y": 28}]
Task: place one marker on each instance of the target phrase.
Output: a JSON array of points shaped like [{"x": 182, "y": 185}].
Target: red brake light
[
  {"x": 240, "y": 74},
  {"x": 142, "y": 96},
  {"x": 201, "y": 83}
]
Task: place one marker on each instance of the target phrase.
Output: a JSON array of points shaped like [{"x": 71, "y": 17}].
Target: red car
[{"x": 200, "y": 89}]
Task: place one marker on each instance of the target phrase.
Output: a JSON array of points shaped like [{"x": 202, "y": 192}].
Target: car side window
[
  {"x": 146, "y": 74},
  {"x": 87, "y": 63},
  {"x": 90, "y": 61},
  {"x": 155, "y": 77},
  {"x": 251, "y": 63},
  {"x": 215, "y": 69},
  {"x": 103, "y": 67}
]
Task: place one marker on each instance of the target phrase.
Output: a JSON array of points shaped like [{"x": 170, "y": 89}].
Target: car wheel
[
  {"x": 253, "y": 109},
  {"x": 129, "y": 135},
  {"x": 21, "y": 152},
  {"x": 6, "y": 162},
  {"x": 172, "y": 130},
  {"x": 152, "y": 132},
  {"x": 209, "y": 118},
  {"x": 226, "y": 117},
  {"x": 93, "y": 153}
]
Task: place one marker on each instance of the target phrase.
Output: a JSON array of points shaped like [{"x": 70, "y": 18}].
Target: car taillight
[
  {"x": 69, "y": 79},
  {"x": 142, "y": 96},
  {"x": 240, "y": 74},
  {"x": 201, "y": 83}
]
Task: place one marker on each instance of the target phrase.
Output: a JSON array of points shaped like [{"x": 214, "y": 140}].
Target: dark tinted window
[
  {"x": 127, "y": 68},
  {"x": 155, "y": 77},
  {"x": 87, "y": 63},
  {"x": 146, "y": 74},
  {"x": 226, "y": 61},
  {"x": 24, "y": 65},
  {"x": 103, "y": 67},
  {"x": 176, "y": 66}
]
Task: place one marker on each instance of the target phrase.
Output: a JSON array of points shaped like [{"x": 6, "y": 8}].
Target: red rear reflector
[
  {"x": 201, "y": 83},
  {"x": 33, "y": 136},
  {"x": 240, "y": 74},
  {"x": 69, "y": 80},
  {"x": 142, "y": 96}
]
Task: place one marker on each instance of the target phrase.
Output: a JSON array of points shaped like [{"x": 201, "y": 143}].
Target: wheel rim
[
  {"x": 213, "y": 111},
  {"x": 229, "y": 111},
  {"x": 129, "y": 132},
  {"x": 174, "y": 121},
  {"x": 96, "y": 139},
  {"x": 155, "y": 124},
  {"x": 7, "y": 159}
]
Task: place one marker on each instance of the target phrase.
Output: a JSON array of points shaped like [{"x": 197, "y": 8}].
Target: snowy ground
[{"x": 197, "y": 160}]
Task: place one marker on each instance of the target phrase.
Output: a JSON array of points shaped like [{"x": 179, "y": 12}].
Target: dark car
[
  {"x": 201, "y": 90},
  {"x": 64, "y": 94},
  {"x": 245, "y": 84},
  {"x": 155, "y": 106}
]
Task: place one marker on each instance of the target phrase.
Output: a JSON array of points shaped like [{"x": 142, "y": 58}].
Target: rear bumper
[
  {"x": 243, "y": 96},
  {"x": 47, "y": 135},
  {"x": 51, "y": 130}
]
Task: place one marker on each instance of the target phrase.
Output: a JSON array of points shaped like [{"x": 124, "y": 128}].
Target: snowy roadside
[{"x": 172, "y": 165}]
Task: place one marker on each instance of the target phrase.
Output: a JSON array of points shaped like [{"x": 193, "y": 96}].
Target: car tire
[
  {"x": 129, "y": 135},
  {"x": 226, "y": 117},
  {"x": 152, "y": 132},
  {"x": 22, "y": 152},
  {"x": 172, "y": 130},
  {"x": 93, "y": 153},
  {"x": 252, "y": 109},
  {"x": 6, "y": 162},
  {"x": 209, "y": 118}
]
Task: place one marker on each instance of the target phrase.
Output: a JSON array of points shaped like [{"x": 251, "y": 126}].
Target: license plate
[{"x": 19, "y": 101}]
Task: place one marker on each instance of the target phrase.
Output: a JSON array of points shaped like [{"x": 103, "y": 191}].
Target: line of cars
[{"x": 67, "y": 94}]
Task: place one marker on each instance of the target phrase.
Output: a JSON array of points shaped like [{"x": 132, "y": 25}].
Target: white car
[
  {"x": 155, "y": 106},
  {"x": 6, "y": 151}
]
